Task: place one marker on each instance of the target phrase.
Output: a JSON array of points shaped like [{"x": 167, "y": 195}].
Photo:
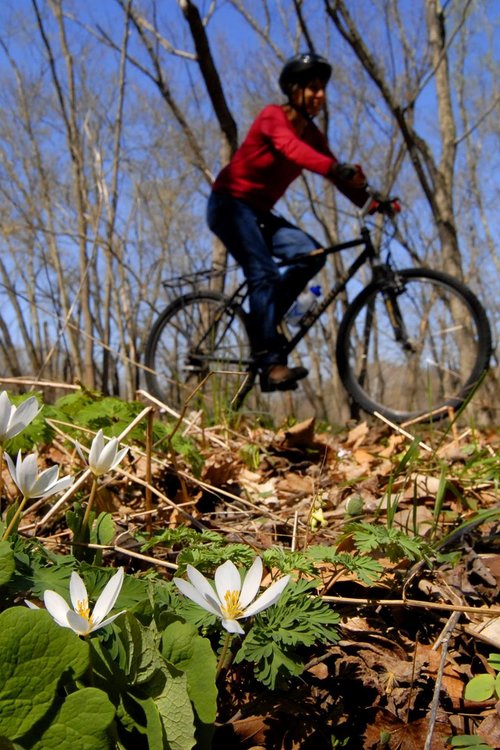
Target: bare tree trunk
[
  {"x": 435, "y": 179},
  {"x": 68, "y": 111}
]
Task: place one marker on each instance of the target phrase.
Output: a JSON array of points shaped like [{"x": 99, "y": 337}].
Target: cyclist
[{"x": 282, "y": 141}]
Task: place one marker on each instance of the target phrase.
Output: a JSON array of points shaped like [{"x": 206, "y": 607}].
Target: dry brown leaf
[
  {"x": 404, "y": 736},
  {"x": 221, "y": 468},
  {"x": 295, "y": 485},
  {"x": 320, "y": 671},
  {"x": 301, "y": 434},
  {"x": 488, "y": 630},
  {"x": 393, "y": 444},
  {"x": 357, "y": 435},
  {"x": 489, "y": 729}
]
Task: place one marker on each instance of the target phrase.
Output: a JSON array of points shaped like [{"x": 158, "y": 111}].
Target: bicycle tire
[
  {"x": 198, "y": 352},
  {"x": 452, "y": 347}
]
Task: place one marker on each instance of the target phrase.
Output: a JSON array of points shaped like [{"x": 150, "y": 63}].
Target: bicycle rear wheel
[
  {"x": 199, "y": 351},
  {"x": 444, "y": 346}
]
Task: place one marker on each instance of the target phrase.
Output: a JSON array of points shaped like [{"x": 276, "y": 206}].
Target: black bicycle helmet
[{"x": 303, "y": 68}]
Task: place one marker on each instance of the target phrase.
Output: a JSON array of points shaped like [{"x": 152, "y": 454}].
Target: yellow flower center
[
  {"x": 232, "y": 608},
  {"x": 83, "y": 609}
]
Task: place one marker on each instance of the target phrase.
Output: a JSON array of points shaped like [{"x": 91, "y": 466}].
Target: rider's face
[{"x": 311, "y": 97}]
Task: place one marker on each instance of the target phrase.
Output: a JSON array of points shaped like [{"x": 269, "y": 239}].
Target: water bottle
[{"x": 305, "y": 302}]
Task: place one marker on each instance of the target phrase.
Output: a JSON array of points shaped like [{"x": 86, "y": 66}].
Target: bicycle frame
[{"x": 368, "y": 255}]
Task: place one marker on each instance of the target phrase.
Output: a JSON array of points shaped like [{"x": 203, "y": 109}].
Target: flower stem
[
  {"x": 14, "y": 519},
  {"x": 223, "y": 655},
  {"x": 90, "y": 503}
]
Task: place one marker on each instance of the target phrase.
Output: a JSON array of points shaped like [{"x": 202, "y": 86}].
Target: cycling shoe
[{"x": 281, "y": 378}]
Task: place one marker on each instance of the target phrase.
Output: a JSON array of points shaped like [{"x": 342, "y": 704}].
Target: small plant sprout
[
  {"x": 32, "y": 484},
  {"x": 231, "y": 599},
  {"x": 79, "y": 618}
]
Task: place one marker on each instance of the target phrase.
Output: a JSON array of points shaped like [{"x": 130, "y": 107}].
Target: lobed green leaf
[
  {"x": 7, "y": 563},
  {"x": 38, "y": 657}
]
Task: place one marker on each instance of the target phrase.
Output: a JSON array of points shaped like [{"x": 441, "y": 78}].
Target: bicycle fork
[{"x": 390, "y": 294}]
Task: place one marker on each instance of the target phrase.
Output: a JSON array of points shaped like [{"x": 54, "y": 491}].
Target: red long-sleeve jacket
[{"x": 272, "y": 156}]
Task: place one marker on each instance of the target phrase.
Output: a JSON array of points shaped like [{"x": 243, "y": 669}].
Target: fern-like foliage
[
  {"x": 393, "y": 543},
  {"x": 277, "y": 640},
  {"x": 364, "y": 567},
  {"x": 203, "y": 550}
]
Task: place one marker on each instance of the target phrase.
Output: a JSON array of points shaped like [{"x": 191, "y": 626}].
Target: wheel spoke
[{"x": 198, "y": 352}]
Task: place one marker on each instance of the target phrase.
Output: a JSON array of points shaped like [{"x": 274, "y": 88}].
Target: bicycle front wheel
[
  {"x": 198, "y": 352},
  {"x": 415, "y": 347}
]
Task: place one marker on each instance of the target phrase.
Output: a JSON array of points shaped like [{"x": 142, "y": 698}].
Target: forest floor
[{"x": 409, "y": 642}]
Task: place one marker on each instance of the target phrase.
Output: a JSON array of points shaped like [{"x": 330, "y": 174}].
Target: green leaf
[
  {"x": 82, "y": 723},
  {"x": 37, "y": 658},
  {"x": 494, "y": 661},
  {"x": 176, "y": 712},
  {"x": 189, "y": 652},
  {"x": 468, "y": 742},
  {"x": 297, "y": 619},
  {"x": 42, "y": 577},
  {"x": 7, "y": 563},
  {"x": 128, "y": 664},
  {"x": 480, "y": 688},
  {"x": 103, "y": 531},
  {"x": 154, "y": 728}
]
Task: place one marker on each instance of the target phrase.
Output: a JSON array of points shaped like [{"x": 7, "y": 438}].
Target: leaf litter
[{"x": 425, "y": 514}]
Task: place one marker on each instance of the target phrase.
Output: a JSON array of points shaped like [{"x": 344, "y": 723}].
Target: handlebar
[{"x": 376, "y": 203}]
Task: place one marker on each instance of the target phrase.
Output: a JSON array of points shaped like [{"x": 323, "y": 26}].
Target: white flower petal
[
  {"x": 198, "y": 597},
  {"x": 24, "y": 414},
  {"x": 103, "y": 624},
  {"x": 58, "y": 486},
  {"x": 251, "y": 583},
  {"x": 44, "y": 480},
  {"x": 31, "y": 605},
  {"x": 5, "y": 412},
  {"x": 78, "y": 624},
  {"x": 200, "y": 583},
  {"x": 12, "y": 467},
  {"x": 96, "y": 449},
  {"x": 77, "y": 591},
  {"x": 106, "y": 457},
  {"x": 57, "y": 607},
  {"x": 233, "y": 626},
  {"x": 227, "y": 578},
  {"x": 269, "y": 597},
  {"x": 118, "y": 458},
  {"x": 108, "y": 597},
  {"x": 26, "y": 472},
  {"x": 80, "y": 452}
]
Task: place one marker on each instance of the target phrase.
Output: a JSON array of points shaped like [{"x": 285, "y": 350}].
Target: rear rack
[{"x": 194, "y": 278}]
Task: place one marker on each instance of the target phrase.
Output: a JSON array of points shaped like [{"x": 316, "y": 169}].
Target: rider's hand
[
  {"x": 387, "y": 206},
  {"x": 351, "y": 174}
]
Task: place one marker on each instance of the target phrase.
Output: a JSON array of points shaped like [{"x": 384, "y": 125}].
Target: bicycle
[{"x": 412, "y": 346}]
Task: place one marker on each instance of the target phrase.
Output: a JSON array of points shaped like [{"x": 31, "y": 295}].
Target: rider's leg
[
  {"x": 238, "y": 227},
  {"x": 289, "y": 242}
]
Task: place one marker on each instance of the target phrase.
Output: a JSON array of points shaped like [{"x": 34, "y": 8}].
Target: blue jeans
[{"x": 253, "y": 239}]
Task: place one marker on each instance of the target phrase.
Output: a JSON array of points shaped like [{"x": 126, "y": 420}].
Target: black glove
[{"x": 352, "y": 174}]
